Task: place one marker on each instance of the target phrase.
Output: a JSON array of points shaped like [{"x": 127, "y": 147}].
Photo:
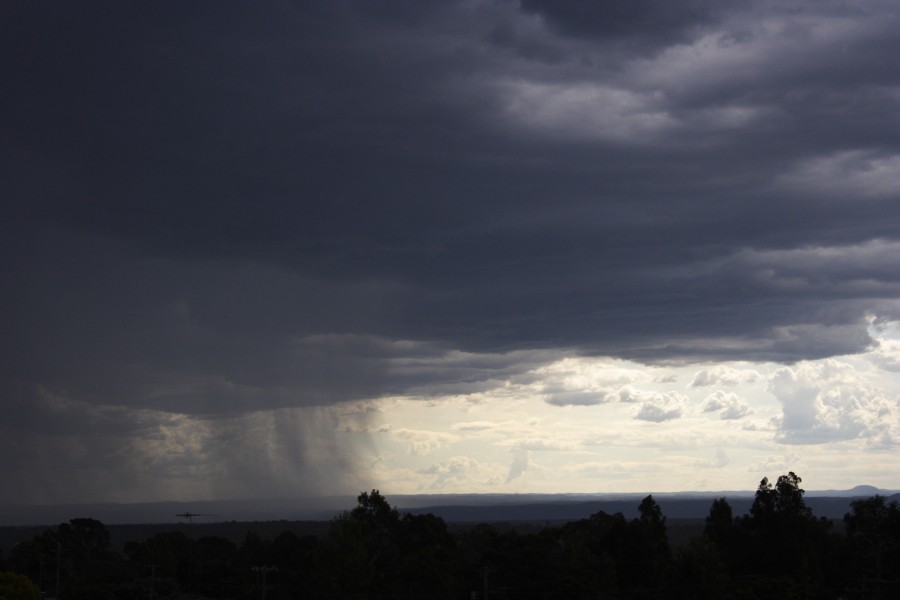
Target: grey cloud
[
  {"x": 223, "y": 208},
  {"x": 650, "y": 21},
  {"x": 421, "y": 221},
  {"x": 578, "y": 398},
  {"x": 90, "y": 454}
]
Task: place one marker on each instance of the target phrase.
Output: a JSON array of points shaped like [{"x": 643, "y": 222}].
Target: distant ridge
[
  {"x": 450, "y": 507},
  {"x": 860, "y": 490}
]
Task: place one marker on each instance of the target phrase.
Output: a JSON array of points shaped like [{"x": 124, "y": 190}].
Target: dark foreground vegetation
[{"x": 778, "y": 550}]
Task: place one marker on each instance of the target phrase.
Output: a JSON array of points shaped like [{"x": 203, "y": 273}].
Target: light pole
[
  {"x": 264, "y": 571},
  {"x": 57, "y": 567},
  {"x": 153, "y": 581},
  {"x": 487, "y": 571}
]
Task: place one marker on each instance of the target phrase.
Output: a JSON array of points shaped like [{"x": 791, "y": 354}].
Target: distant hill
[
  {"x": 860, "y": 491},
  {"x": 233, "y": 519},
  {"x": 450, "y": 507},
  {"x": 831, "y": 505}
]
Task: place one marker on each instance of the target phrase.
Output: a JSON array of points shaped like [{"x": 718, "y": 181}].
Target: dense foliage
[{"x": 778, "y": 550}]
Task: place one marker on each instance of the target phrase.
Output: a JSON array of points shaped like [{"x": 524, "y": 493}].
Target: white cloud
[
  {"x": 661, "y": 407},
  {"x": 521, "y": 461},
  {"x": 827, "y": 401},
  {"x": 886, "y": 355},
  {"x": 770, "y": 465},
  {"x": 421, "y": 441},
  {"x": 716, "y": 401},
  {"x": 735, "y": 411},
  {"x": 539, "y": 444},
  {"x": 655, "y": 406},
  {"x": 457, "y": 468},
  {"x": 630, "y": 394},
  {"x": 575, "y": 381},
  {"x": 516, "y": 440},
  {"x": 585, "y": 372},
  {"x": 473, "y": 426},
  {"x": 721, "y": 460},
  {"x": 728, "y": 405},
  {"x": 509, "y": 430},
  {"x": 723, "y": 375}
]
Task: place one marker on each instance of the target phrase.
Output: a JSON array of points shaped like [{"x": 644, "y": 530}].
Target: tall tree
[
  {"x": 782, "y": 541},
  {"x": 720, "y": 522},
  {"x": 785, "y": 498},
  {"x": 366, "y": 538},
  {"x": 873, "y": 530}
]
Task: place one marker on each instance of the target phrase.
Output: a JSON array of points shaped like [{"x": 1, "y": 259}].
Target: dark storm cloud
[
  {"x": 649, "y": 21},
  {"x": 214, "y": 208}
]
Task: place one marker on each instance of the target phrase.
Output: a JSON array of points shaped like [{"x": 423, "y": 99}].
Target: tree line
[{"x": 780, "y": 549}]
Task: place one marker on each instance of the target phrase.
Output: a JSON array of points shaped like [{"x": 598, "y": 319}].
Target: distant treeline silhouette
[{"x": 780, "y": 549}]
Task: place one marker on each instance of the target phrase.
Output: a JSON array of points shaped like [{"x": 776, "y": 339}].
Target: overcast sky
[{"x": 289, "y": 247}]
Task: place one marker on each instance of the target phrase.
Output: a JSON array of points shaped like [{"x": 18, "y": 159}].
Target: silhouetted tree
[
  {"x": 429, "y": 561},
  {"x": 782, "y": 503},
  {"x": 361, "y": 552},
  {"x": 699, "y": 571},
  {"x": 653, "y": 523},
  {"x": 779, "y": 550},
  {"x": 294, "y": 556},
  {"x": 14, "y": 586},
  {"x": 652, "y": 544},
  {"x": 873, "y": 532},
  {"x": 720, "y": 522},
  {"x": 342, "y": 560},
  {"x": 582, "y": 572},
  {"x": 213, "y": 564},
  {"x": 162, "y": 557},
  {"x": 781, "y": 544},
  {"x": 85, "y": 539},
  {"x": 79, "y": 549}
]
